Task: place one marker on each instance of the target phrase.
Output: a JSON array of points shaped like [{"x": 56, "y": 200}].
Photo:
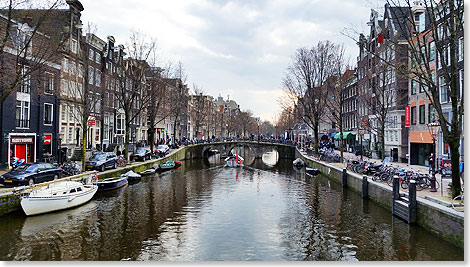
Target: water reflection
[
  {"x": 217, "y": 213},
  {"x": 270, "y": 158}
]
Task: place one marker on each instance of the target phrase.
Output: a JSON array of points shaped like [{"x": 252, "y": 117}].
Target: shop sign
[
  {"x": 407, "y": 117},
  {"x": 22, "y": 140},
  {"x": 47, "y": 139},
  {"x": 91, "y": 122}
]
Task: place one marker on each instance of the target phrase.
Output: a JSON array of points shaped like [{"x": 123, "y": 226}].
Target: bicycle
[
  {"x": 458, "y": 201},
  {"x": 121, "y": 161}
]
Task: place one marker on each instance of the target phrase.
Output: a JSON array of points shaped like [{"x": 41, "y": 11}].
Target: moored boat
[
  {"x": 298, "y": 163},
  {"x": 234, "y": 161},
  {"x": 170, "y": 164},
  {"x": 132, "y": 176},
  {"x": 149, "y": 171},
  {"x": 58, "y": 196},
  {"x": 112, "y": 183},
  {"x": 312, "y": 171}
]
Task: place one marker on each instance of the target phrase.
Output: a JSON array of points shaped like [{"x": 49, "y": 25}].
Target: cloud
[{"x": 236, "y": 47}]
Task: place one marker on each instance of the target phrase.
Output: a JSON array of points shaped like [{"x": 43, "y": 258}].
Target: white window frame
[
  {"x": 51, "y": 114},
  {"x": 49, "y": 83},
  {"x": 25, "y": 114}
]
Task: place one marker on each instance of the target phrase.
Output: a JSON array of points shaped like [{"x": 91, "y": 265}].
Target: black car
[
  {"x": 31, "y": 173},
  {"x": 142, "y": 153},
  {"x": 102, "y": 161}
]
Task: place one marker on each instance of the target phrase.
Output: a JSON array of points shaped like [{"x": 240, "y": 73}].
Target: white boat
[
  {"x": 57, "y": 196},
  {"x": 234, "y": 161}
]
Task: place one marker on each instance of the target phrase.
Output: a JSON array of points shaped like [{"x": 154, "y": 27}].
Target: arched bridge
[{"x": 258, "y": 148}]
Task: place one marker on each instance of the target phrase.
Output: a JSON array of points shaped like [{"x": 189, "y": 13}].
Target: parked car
[
  {"x": 142, "y": 153},
  {"x": 31, "y": 173},
  {"x": 162, "y": 150},
  {"x": 101, "y": 161}
]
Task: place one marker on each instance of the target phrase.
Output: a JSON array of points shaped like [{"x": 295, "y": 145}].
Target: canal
[{"x": 204, "y": 211}]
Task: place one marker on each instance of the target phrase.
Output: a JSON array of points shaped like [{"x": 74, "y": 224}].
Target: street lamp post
[
  {"x": 258, "y": 133},
  {"x": 433, "y": 128}
]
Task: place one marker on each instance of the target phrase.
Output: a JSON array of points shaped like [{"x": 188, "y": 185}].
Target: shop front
[
  {"x": 22, "y": 146},
  {"x": 420, "y": 147}
]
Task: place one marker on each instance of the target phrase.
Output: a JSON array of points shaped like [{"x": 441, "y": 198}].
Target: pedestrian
[
  {"x": 431, "y": 162},
  {"x": 461, "y": 169}
]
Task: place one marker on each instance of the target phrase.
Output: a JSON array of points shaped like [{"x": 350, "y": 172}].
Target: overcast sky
[{"x": 236, "y": 48}]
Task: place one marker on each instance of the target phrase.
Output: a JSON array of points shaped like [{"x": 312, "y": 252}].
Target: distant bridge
[{"x": 257, "y": 148}]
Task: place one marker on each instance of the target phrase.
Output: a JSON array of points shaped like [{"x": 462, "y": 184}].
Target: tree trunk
[
  {"x": 315, "y": 136},
  {"x": 454, "y": 146},
  {"x": 382, "y": 141},
  {"x": 126, "y": 141},
  {"x": 341, "y": 146},
  {"x": 152, "y": 137},
  {"x": 84, "y": 140}
]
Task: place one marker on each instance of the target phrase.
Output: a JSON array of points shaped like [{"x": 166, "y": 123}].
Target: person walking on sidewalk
[
  {"x": 461, "y": 169},
  {"x": 431, "y": 162}
]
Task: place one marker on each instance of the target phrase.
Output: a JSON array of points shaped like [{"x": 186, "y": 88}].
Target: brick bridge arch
[{"x": 258, "y": 148}]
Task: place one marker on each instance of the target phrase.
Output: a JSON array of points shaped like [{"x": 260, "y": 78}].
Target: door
[{"x": 20, "y": 151}]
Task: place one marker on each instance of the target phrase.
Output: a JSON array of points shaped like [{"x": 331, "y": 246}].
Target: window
[
  {"x": 25, "y": 86},
  {"x": 460, "y": 50},
  {"x": 432, "y": 48},
  {"x": 63, "y": 113},
  {"x": 72, "y": 68},
  {"x": 64, "y": 87},
  {"x": 443, "y": 90},
  {"x": 413, "y": 115},
  {"x": 73, "y": 46},
  {"x": 80, "y": 71},
  {"x": 91, "y": 74},
  {"x": 430, "y": 113},
  {"x": 422, "y": 114},
  {"x": 414, "y": 84},
  {"x": 22, "y": 114},
  {"x": 70, "y": 135},
  {"x": 49, "y": 83},
  {"x": 396, "y": 136},
  {"x": 97, "y": 57},
  {"x": 65, "y": 65},
  {"x": 421, "y": 85},
  {"x": 98, "y": 78},
  {"x": 461, "y": 80},
  {"x": 91, "y": 54},
  {"x": 48, "y": 115},
  {"x": 73, "y": 89}
]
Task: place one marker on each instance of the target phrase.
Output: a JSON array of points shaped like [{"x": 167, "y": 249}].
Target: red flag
[
  {"x": 380, "y": 38},
  {"x": 237, "y": 158}
]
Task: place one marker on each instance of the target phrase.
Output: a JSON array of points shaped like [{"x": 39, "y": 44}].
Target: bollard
[
  {"x": 365, "y": 187},
  {"x": 395, "y": 191},
  {"x": 345, "y": 178},
  {"x": 396, "y": 188},
  {"x": 412, "y": 202}
]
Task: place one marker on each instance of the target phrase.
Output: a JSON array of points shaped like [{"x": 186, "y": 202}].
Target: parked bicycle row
[{"x": 385, "y": 173}]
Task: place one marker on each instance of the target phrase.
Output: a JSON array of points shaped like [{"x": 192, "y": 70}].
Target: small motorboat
[
  {"x": 312, "y": 171},
  {"x": 132, "y": 176},
  {"x": 298, "y": 163},
  {"x": 234, "y": 161},
  {"x": 149, "y": 171},
  {"x": 112, "y": 183},
  {"x": 59, "y": 196},
  {"x": 170, "y": 164}
]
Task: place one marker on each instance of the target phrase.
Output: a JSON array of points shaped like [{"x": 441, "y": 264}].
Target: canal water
[{"x": 206, "y": 212}]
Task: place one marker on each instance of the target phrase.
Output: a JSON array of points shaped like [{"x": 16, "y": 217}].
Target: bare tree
[
  {"x": 438, "y": 37},
  {"x": 179, "y": 96},
  {"x": 28, "y": 40},
  {"x": 82, "y": 98},
  {"x": 133, "y": 90},
  {"x": 198, "y": 109},
  {"x": 302, "y": 82},
  {"x": 334, "y": 85}
]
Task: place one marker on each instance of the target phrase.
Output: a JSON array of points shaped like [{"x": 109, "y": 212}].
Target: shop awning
[
  {"x": 423, "y": 137},
  {"x": 346, "y": 135}
]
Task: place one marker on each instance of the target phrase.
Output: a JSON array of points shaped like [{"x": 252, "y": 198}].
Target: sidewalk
[{"x": 440, "y": 197}]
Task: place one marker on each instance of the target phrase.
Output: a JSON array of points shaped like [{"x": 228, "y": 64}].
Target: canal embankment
[
  {"x": 436, "y": 218},
  {"x": 10, "y": 199}
]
